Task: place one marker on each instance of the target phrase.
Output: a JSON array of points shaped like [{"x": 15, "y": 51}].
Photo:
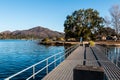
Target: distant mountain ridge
[{"x": 36, "y": 32}]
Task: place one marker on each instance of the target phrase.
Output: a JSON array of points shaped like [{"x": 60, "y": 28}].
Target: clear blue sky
[{"x": 25, "y": 14}]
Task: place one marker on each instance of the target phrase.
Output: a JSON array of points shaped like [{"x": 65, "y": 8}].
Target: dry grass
[{"x": 108, "y": 43}]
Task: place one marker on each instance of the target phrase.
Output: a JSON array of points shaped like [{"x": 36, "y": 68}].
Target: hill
[{"x": 36, "y": 33}]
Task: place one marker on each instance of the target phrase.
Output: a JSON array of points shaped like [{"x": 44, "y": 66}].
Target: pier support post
[{"x": 81, "y": 72}]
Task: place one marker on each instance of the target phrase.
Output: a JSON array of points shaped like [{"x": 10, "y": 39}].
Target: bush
[
  {"x": 46, "y": 40},
  {"x": 92, "y": 43},
  {"x": 60, "y": 39}
]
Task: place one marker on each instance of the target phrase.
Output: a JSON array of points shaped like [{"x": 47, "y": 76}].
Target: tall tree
[
  {"x": 107, "y": 21},
  {"x": 115, "y": 14},
  {"x": 82, "y": 23}
]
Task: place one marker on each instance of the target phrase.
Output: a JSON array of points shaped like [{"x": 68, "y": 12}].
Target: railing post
[
  {"x": 117, "y": 56},
  {"x": 33, "y": 72},
  {"x": 60, "y": 57},
  {"x": 47, "y": 66},
  {"x": 55, "y": 61}
]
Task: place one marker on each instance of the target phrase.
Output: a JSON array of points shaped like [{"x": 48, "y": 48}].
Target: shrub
[
  {"x": 92, "y": 43},
  {"x": 60, "y": 39},
  {"x": 46, "y": 40}
]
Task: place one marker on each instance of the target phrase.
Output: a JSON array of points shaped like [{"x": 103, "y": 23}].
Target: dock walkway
[
  {"x": 84, "y": 56},
  {"x": 112, "y": 72}
]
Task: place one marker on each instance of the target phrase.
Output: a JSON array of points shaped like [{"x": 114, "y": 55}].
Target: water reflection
[{"x": 113, "y": 54}]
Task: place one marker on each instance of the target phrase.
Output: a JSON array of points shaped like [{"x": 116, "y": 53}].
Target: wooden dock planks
[
  {"x": 90, "y": 58},
  {"x": 111, "y": 70},
  {"x": 78, "y": 54},
  {"x": 64, "y": 71}
]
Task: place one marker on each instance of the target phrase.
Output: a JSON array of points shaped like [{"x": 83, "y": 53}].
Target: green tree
[
  {"x": 82, "y": 23},
  {"x": 106, "y": 31}
]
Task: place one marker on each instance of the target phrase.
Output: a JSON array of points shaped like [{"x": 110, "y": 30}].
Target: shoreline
[
  {"x": 103, "y": 43},
  {"x": 58, "y": 43},
  {"x": 109, "y": 43}
]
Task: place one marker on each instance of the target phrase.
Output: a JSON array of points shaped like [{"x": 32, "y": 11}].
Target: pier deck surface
[{"x": 84, "y": 56}]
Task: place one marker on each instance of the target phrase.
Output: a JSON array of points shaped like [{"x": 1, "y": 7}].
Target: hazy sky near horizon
[{"x": 25, "y": 14}]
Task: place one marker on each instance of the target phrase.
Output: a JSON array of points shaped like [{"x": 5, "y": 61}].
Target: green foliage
[
  {"x": 107, "y": 31},
  {"x": 82, "y": 23}
]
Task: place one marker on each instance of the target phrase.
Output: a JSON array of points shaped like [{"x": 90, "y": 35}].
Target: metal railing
[{"x": 55, "y": 59}]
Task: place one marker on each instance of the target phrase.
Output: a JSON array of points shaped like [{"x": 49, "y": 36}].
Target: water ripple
[{"x": 16, "y": 55}]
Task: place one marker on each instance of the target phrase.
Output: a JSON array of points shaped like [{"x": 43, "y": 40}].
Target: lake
[
  {"x": 15, "y": 55},
  {"x": 113, "y": 55}
]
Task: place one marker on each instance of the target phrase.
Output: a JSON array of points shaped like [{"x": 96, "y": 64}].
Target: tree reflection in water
[{"x": 113, "y": 54}]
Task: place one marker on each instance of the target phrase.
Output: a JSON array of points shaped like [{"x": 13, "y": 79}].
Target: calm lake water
[
  {"x": 16, "y": 55},
  {"x": 114, "y": 55}
]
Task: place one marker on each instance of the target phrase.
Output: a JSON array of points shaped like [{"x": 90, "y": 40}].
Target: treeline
[{"x": 18, "y": 36}]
